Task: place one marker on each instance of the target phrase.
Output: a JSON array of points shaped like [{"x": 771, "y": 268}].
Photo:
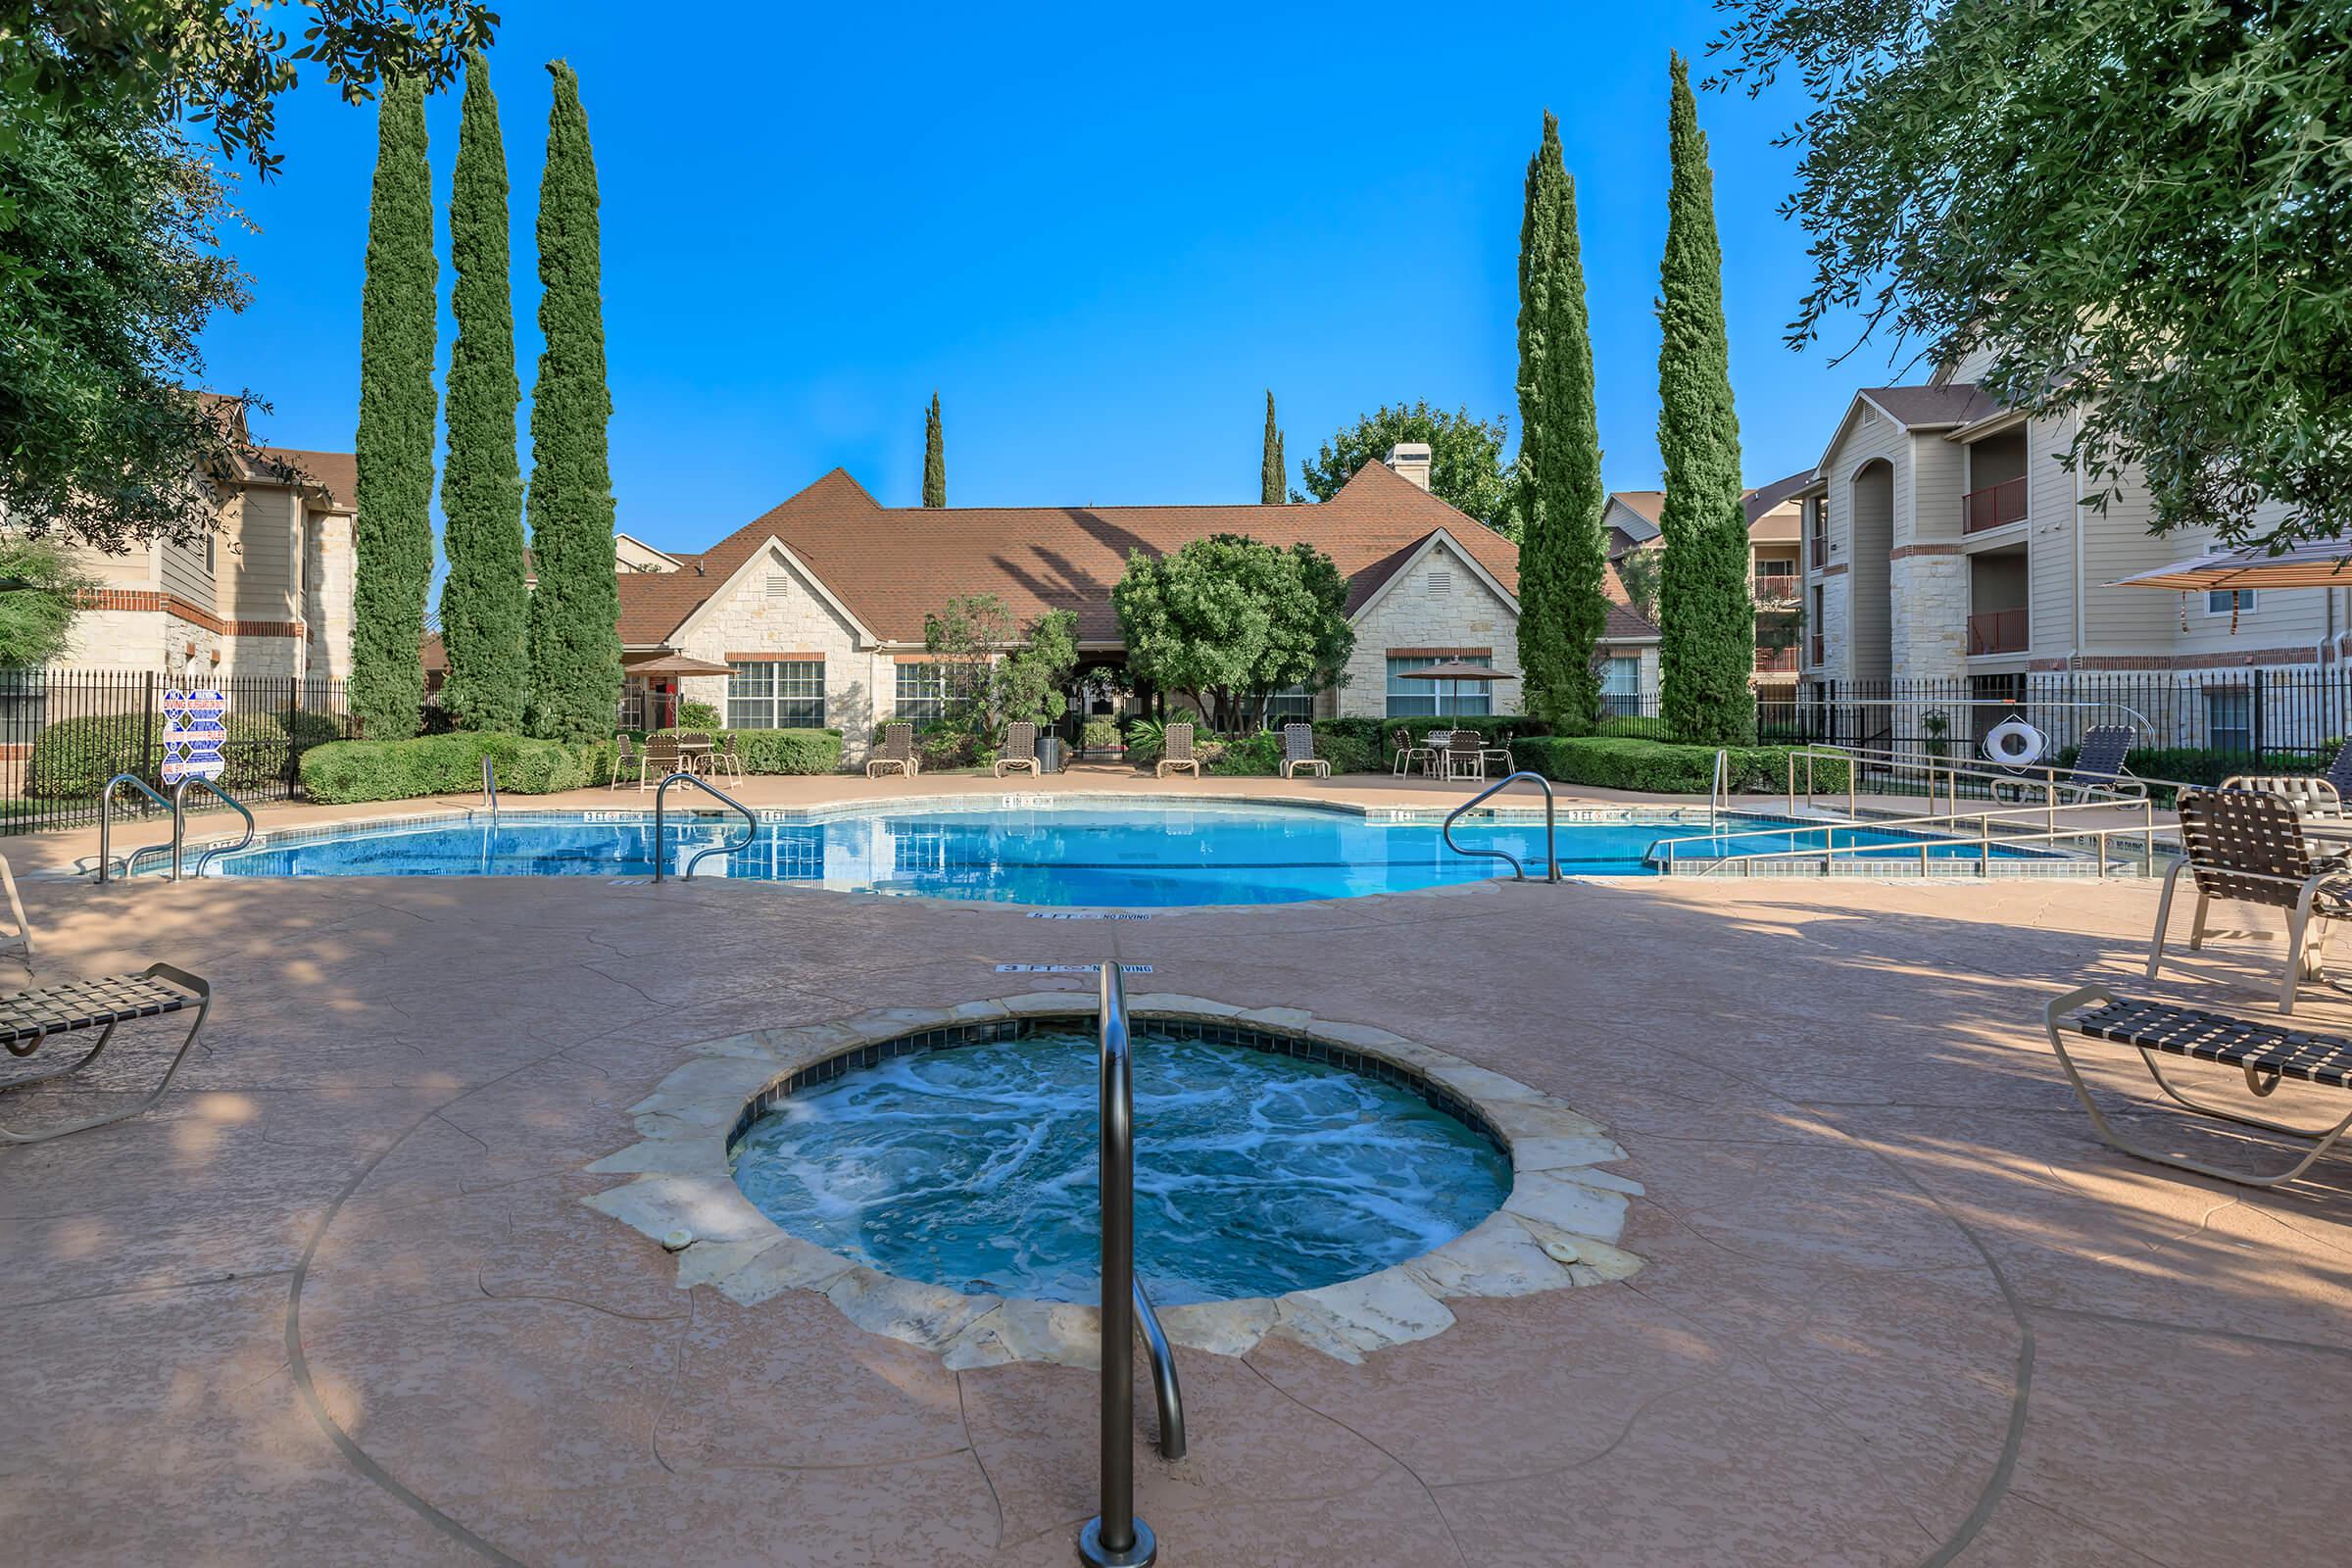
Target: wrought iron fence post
[{"x": 2254, "y": 730}]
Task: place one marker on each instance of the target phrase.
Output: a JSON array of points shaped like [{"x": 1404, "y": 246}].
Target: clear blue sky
[{"x": 1101, "y": 234}]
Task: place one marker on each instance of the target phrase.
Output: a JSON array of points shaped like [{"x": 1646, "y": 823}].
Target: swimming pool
[
  {"x": 1050, "y": 852},
  {"x": 975, "y": 1168}
]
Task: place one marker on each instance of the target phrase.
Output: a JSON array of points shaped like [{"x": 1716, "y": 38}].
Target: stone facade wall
[
  {"x": 776, "y": 610},
  {"x": 1462, "y": 613},
  {"x": 1928, "y": 600}
]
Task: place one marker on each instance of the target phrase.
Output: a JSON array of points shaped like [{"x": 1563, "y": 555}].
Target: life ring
[{"x": 2013, "y": 743}]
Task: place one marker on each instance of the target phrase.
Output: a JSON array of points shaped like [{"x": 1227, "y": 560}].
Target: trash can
[{"x": 1049, "y": 754}]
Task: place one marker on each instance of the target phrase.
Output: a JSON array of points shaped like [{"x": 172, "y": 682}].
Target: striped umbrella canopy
[{"x": 2321, "y": 564}]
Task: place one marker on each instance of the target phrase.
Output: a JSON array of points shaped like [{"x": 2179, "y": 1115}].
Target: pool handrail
[
  {"x": 1116, "y": 1538},
  {"x": 750, "y": 832},
  {"x": 1551, "y": 851},
  {"x": 180, "y": 817},
  {"x": 106, "y": 826},
  {"x": 1948, "y": 821},
  {"x": 490, "y": 785}
]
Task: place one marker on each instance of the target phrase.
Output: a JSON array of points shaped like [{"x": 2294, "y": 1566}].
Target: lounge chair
[
  {"x": 30, "y": 1019},
  {"x": 2339, "y": 772},
  {"x": 1298, "y": 751},
  {"x": 2265, "y": 1053},
  {"x": 1176, "y": 752},
  {"x": 2249, "y": 848},
  {"x": 896, "y": 751},
  {"x": 2310, "y": 794},
  {"x": 2098, "y": 765},
  {"x": 660, "y": 758},
  {"x": 1020, "y": 748}
]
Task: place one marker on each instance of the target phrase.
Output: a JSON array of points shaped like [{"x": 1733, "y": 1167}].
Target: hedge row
[
  {"x": 73, "y": 757},
  {"x": 1656, "y": 768},
  {"x": 346, "y": 772}
]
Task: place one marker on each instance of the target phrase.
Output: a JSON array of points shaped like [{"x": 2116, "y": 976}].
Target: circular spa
[{"x": 1264, "y": 1164}]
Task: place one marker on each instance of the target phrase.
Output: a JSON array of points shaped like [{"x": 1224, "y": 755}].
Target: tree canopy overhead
[
  {"x": 1465, "y": 456},
  {"x": 2137, "y": 206}
]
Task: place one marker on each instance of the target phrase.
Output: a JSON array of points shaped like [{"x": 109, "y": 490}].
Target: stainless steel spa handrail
[
  {"x": 490, "y": 787},
  {"x": 180, "y": 820},
  {"x": 1116, "y": 1538},
  {"x": 106, "y": 824},
  {"x": 1551, "y": 850},
  {"x": 751, "y": 829}
]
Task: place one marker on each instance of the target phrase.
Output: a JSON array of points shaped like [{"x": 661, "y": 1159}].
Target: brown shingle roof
[
  {"x": 892, "y": 565},
  {"x": 1912, "y": 406},
  {"x": 1625, "y": 622},
  {"x": 335, "y": 472}
]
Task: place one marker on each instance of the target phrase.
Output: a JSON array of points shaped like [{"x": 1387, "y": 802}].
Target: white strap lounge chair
[
  {"x": 2266, "y": 1054},
  {"x": 2310, "y": 794},
  {"x": 1176, "y": 752},
  {"x": 28, "y": 1020},
  {"x": 1020, "y": 748},
  {"x": 2249, "y": 848},
  {"x": 896, "y": 752},
  {"x": 1298, "y": 752}
]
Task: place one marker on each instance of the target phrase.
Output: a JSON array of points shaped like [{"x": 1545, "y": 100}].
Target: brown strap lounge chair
[
  {"x": 2266, "y": 1054},
  {"x": 1020, "y": 748},
  {"x": 1298, "y": 752},
  {"x": 2247, "y": 847},
  {"x": 896, "y": 750},
  {"x": 29, "y": 1019},
  {"x": 1176, "y": 752}
]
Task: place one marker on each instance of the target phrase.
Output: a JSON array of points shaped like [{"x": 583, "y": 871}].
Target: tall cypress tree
[
  {"x": 575, "y": 631},
  {"x": 484, "y": 604},
  {"x": 935, "y": 459},
  {"x": 1708, "y": 619},
  {"x": 1272, "y": 477},
  {"x": 392, "y": 538},
  {"x": 1562, "y": 556}
]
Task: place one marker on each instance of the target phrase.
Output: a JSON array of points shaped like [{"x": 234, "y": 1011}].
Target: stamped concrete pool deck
[{"x": 338, "y": 1300}]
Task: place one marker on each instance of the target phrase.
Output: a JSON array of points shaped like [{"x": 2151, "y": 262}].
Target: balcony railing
[
  {"x": 1995, "y": 505},
  {"x": 1776, "y": 587},
  {"x": 1997, "y": 631},
  {"x": 1775, "y": 661}
]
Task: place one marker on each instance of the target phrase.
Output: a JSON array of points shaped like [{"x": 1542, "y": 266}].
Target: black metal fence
[
  {"x": 2207, "y": 719},
  {"x": 65, "y": 732}
]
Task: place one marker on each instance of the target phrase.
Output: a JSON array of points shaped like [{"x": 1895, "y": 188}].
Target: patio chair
[
  {"x": 660, "y": 758},
  {"x": 625, "y": 758},
  {"x": 1298, "y": 751},
  {"x": 723, "y": 760},
  {"x": 2249, "y": 848},
  {"x": 2098, "y": 765},
  {"x": 29, "y": 1019},
  {"x": 2310, "y": 794},
  {"x": 1408, "y": 753},
  {"x": 1020, "y": 748},
  {"x": 896, "y": 751},
  {"x": 1176, "y": 752},
  {"x": 2264, "y": 1052},
  {"x": 1465, "y": 755}
]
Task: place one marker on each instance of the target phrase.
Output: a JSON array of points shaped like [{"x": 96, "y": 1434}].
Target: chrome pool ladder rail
[
  {"x": 751, "y": 828},
  {"x": 1551, "y": 850},
  {"x": 490, "y": 785},
  {"x": 205, "y": 856},
  {"x": 1116, "y": 1538},
  {"x": 1719, "y": 786},
  {"x": 106, "y": 826}
]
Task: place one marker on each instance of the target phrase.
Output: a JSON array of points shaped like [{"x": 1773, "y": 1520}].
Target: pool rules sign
[{"x": 195, "y": 723}]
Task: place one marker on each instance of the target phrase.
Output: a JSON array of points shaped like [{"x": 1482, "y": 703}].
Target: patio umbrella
[
  {"x": 675, "y": 664},
  {"x": 2321, "y": 564}
]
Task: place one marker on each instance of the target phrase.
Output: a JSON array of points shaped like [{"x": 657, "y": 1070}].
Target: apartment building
[
  {"x": 1945, "y": 541},
  {"x": 1775, "y": 522}
]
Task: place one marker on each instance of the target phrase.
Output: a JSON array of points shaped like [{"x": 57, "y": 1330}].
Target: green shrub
[
  {"x": 1658, "y": 768},
  {"x": 346, "y": 772},
  {"x": 700, "y": 715},
  {"x": 1257, "y": 755},
  {"x": 1100, "y": 735},
  {"x": 787, "y": 750},
  {"x": 1146, "y": 740},
  {"x": 74, "y": 757}
]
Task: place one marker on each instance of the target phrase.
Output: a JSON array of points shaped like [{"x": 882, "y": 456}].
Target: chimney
[{"x": 1410, "y": 459}]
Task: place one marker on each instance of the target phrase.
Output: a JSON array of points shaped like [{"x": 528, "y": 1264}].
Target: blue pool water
[
  {"x": 1122, "y": 854},
  {"x": 1254, "y": 1174}
]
